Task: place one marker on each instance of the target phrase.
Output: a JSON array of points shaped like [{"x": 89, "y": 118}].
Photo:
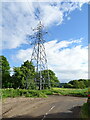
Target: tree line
[
  {"x": 23, "y": 76},
  {"x": 81, "y": 83}
]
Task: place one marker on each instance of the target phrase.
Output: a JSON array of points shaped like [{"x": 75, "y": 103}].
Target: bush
[
  {"x": 10, "y": 92},
  {"x": 85, "y": 112},
  {"x": 22, "y": 92},
  {"x": 33, "y": 93},
  {"x": 47, "y": 92}
]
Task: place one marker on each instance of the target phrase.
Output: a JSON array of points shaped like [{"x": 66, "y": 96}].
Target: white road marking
[{"x": 47, "y": 113}]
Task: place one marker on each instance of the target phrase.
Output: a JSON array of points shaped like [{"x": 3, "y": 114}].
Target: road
[{"x": 43, "y": 108}]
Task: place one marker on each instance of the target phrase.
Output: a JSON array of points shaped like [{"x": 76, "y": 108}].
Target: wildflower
[{"x": 89, "y": 96}]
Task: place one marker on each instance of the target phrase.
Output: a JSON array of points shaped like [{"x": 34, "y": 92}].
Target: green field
[
  {"x": 73, "y": 92},
  {"x": 10, "y": 92}
]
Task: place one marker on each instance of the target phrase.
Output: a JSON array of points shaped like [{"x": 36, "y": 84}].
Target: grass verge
[
  {"x": 21, "y": 92},
  {"x": 85, "y": 111},
  {"x": 71, "y": 92},
  {"x": 10, "y": 92}
]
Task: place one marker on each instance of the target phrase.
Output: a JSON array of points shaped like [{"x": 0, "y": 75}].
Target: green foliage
[
  {"x": 10, "y": 92},
  {"x": 81, "y": 83},
  {"x": 47, "y": 92},
  {"x": 72, "y": 92},
  {"x": 85, "y": 111},
  {"x": 5, "y": 72},
  {"x": 24, "y": 76},
  {"x": 89, "y": 90},
  {"x": 68, "y": 85},
  {"x": 53, "y": 79},
  {"x": 4, "y": 65}
]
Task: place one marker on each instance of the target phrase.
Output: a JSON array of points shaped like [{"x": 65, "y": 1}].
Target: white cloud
[
  {"x": 45, "y": 0},
  {"x": 18, "y": 18},
  {"x": 51, "y": 14},
  {"x": 68, "y": 63},
  {"x": 24, "y": 55}
]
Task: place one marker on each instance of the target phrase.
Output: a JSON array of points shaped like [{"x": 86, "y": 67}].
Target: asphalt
[{"x": 53, "y": 107}]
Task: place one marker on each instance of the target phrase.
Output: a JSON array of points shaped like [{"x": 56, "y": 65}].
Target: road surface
[{"x": 43, "y": 108}]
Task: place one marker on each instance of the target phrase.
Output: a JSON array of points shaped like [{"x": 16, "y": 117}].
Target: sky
[{"x": 66, "y": 42}]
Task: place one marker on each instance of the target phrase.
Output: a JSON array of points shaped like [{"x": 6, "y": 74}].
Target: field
[{"x": 10, "y": 92}]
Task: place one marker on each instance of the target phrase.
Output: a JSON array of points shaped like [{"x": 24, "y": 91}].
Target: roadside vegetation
[
  {"x": 10, "y": 92},
  {"x": 72, "y": 92},
  {"x": 85, "y": 111},
  {"x": 22, "y": 82}
]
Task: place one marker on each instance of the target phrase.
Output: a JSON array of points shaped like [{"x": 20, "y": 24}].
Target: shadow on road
[{"x": 72, "y": 114}]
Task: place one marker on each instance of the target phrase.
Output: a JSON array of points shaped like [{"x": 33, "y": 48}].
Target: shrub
[{"x": 85, "y": 112}]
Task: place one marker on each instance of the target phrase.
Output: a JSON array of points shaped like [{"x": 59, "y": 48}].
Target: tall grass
[
  {"x": 73, "y": 92},
  {"x": 10, "y": 92},
  {"x": 85, "y": 111},
  {"x": 21, "y": 92}
]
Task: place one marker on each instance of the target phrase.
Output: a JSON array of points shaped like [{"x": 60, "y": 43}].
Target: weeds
[
  {"x": 10, "y": 92},
  {"x": 85, "y": 112}
]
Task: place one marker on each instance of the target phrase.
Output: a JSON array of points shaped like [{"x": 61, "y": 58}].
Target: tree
[
  {"x": 86, "y": 82},
  {"x": 68, "y": 85},
  {"x": 5, "y": 72},
  {"x": 53, "y": 79},
  {"x": 17, "y": 77},
  {"x": 24, "y": 76},
  {"x": 78, "y": 83},
  {"x": 82, "y": 85}
]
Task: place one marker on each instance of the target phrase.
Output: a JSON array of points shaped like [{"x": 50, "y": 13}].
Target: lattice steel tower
[{"x": 38, "y": 58}]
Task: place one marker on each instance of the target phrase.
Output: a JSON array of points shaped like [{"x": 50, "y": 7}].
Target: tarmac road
[{"x": 43, "y": 108}]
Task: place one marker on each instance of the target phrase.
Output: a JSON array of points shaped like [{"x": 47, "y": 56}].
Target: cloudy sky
[{"x": 67, "y": 39}]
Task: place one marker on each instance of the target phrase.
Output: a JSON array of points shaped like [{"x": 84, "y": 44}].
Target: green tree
[
  {"x": 24, "y": 76},
  {"x": 53, "y": 79},
  {"x": 86, "y": 82},
  {"x": 82, "y": 85},
  {"x": 17, "y": 77},
  {"x": 68, "y": 85},
  {"x": 5, "y": 72},
  {"x": 78, "y": 83}
]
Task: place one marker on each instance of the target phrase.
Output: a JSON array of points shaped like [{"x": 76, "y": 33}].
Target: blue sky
[
  {"x": 74, "y": 28},
  {"x": 66, "y": 42}
]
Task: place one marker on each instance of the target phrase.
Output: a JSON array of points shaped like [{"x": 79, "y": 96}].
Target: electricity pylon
[{"x": 38, "y": 58}]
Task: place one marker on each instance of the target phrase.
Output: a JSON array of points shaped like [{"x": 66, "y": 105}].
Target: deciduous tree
[{"x": 5, "y": 72}]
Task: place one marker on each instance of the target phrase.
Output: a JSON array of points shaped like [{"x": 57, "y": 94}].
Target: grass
[
  {"x": 85, "y": 112},
  {"x": 10, "y": 92},
  {"x": 72, "y": 92},
  {"x": 21, "y": 92}
]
